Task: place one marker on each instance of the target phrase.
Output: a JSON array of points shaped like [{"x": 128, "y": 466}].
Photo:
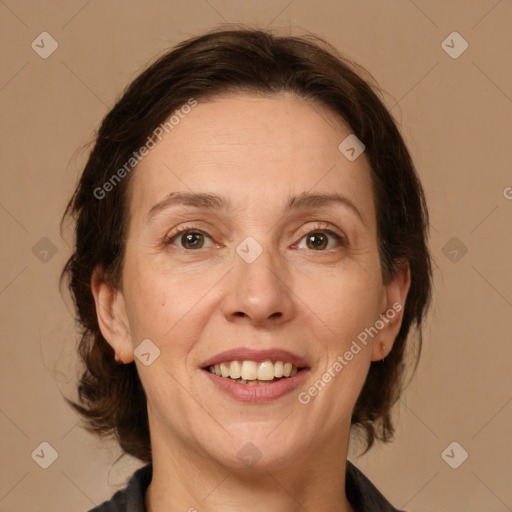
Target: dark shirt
[{"x": 361, "y": 493}]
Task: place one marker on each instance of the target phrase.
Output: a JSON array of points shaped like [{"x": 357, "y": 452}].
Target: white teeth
[
  {"x": 266, "y": 371},
  {"x": 224, "y": 370},
  {"x": 235, "y": 370},
  {"x": 251, "y": 372},
  {"x": 279, "y": 369}
]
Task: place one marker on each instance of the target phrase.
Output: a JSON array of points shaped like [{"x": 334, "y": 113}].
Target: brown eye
[
  {"x": 317, "y": 241},
  {"x": 188, "y": 238},
  {"x": 192, "y": 240}
]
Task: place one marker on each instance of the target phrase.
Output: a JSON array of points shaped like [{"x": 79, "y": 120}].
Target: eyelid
[
  {"x": 326, "y": 227},
  {"x": 175, "y": 234}
]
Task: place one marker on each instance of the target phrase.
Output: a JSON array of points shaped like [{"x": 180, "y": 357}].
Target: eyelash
[{"x": 319, "y": 228}]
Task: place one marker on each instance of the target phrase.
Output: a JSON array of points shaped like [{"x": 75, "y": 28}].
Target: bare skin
[{"x": 309, "y": 295}]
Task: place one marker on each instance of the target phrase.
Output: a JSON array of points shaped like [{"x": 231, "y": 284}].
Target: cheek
[
  {"x": 343, "y": 305},
  {"x": 167, "y": 307},
  {"x": 345, "y": 301}
]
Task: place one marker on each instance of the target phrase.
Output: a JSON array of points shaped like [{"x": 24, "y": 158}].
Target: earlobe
[
  {"x": 392, "y": 312},
  {"x": 112, "y": 318}
]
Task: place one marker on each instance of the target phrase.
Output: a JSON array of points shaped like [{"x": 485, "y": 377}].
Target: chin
[{"x": 256, "y": 453}]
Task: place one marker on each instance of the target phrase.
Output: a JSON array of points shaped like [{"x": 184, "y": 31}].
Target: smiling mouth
[{"x": 253, "y": 373}]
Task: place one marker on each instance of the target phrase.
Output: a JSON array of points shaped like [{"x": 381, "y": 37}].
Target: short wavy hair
[{"x": 111, "y": 398}]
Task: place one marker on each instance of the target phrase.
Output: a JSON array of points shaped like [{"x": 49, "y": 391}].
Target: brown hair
[{"x": 111, "y": 397}]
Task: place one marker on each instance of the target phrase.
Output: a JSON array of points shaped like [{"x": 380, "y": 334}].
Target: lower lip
[{"x": 259, "y": 393}]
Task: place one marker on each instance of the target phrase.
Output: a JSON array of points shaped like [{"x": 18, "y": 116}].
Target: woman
[{"x": 250, "y": 258}]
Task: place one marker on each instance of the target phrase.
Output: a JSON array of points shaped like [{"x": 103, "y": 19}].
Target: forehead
[{"x": 252, "y": 148}]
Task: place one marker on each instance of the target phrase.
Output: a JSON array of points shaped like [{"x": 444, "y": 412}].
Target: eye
[
  {"x": 318, "y": 239},
  {"x": 190, "y": 238}
]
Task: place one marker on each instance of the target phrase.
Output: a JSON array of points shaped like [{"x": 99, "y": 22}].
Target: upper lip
[{"x": 249, "y": 354}]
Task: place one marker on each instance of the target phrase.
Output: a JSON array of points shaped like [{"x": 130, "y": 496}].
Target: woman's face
[{"x": 252, "y": 238}]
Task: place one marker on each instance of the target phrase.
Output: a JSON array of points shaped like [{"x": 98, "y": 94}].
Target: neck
[{"x": 186, "y": 480}]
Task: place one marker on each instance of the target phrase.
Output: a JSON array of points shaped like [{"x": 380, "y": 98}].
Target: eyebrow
[{"x": 302, "y": 201}]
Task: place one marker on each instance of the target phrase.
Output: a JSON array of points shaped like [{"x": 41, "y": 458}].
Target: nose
[{"x": 259, "y": 292}]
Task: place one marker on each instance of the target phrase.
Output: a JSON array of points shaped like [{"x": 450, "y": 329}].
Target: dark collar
[{"x": 362, "y": 494}]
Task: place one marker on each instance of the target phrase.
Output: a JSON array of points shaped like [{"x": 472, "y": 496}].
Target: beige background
[{"x": 456, "y": 117}]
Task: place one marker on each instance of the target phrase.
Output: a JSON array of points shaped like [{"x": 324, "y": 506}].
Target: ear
[
  {"x": 112, "y": 318},
  {"x": 392, "y": 312}
]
